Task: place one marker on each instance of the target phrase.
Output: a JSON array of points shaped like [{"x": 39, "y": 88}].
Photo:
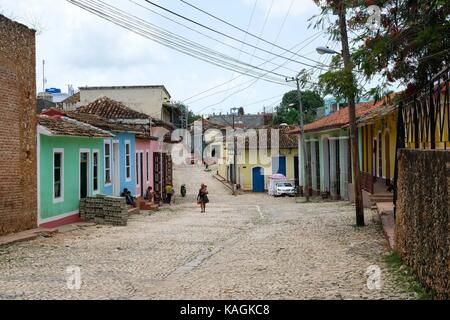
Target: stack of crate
[
  {"x": 90, "y": 209},
  {"x": 97, "y": 207},
  {"x": 115, "y": 211},
  {"x": 82, "y": 209}
]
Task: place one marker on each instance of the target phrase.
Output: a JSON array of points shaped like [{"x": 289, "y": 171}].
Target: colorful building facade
[
  {"x": 70, "y": 167},
  {"x": 328, "y": 153},
  {"x": 259, "y": 160}
]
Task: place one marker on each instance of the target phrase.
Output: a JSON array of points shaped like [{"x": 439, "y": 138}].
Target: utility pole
[
  {"x": 233, "y": 112},
  {"x": 302, "y": 136},
  {"x": 348, "y": 65},
  {"x": 43, "y": 75}
]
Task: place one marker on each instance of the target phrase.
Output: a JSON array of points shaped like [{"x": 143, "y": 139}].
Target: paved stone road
[{"x": 246, "y": 247}]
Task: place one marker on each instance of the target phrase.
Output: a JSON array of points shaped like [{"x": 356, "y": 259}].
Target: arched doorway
[
  {"x": 258, "y": 179},
  {"x": 387, "y": 156}
]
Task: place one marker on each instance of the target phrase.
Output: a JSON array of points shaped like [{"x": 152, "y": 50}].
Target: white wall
[{"x": 145, "y": 100}]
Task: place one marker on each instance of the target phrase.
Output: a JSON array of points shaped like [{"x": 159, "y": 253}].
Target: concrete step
[
  {"x": 148, "y": 206},
  {"x": 132, "y": 211}
]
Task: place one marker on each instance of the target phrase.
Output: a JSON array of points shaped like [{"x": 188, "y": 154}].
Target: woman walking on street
[{"x": 202, "y": 198}]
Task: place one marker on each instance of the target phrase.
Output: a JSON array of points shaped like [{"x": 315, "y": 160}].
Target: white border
[
  {"x": 58, "y": 217},
  {"x": 127, "y": 179},
  {"x": 88, "y": 151},
  {"x": 38, "y": 161},
  {"x": 105, "y": 142},
  {"x": 96, "y": 151},
  {"x": 115, "y": 179},
  {"x": 60, "y": 199}
]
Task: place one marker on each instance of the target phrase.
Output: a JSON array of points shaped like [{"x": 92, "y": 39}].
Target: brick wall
[
  {"x": 423, "y": 218},
  {"x": 18, "y": 181}
]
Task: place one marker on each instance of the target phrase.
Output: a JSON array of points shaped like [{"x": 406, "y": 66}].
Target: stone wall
[
  {"x": 104, "y": 210},
  {"x": 18, "y": 179},
  {"x": 423, "y": 219}
]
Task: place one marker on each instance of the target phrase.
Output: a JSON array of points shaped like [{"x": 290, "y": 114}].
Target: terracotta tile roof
[
  {"x": 111, "y": 109},
  {"x": 64, "y": 126},
  {"x": 285, "y": 140},
  {"x": 388, "y": 108},
  {"x": 339, "y": 119},
  {"x": 102, "y": 123}
]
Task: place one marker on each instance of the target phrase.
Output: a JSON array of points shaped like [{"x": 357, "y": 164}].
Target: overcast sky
[{"x": 82, "y": 49}]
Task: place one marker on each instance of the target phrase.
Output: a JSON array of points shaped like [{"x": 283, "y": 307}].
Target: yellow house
[
  {"x": 259, "y": 154},
  {"x": 377, "y": 137},
  {"x": 424, "y": 122}
]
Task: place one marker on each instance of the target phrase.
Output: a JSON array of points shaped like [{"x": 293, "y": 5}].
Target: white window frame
[
  {"x": 128, "y": 178},
  {"x": 89, "y": 169},
  {"x": 60, "y": 151},
  {"x": 107, "y": 184},
  {"x": 96, "y": 151},
  {"x": 138, "y": 171}
]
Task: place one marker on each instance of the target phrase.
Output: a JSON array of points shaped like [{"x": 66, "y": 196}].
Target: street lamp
[
  {"x": 353, "y": 130},
  {"x": 326, "y": 50}
]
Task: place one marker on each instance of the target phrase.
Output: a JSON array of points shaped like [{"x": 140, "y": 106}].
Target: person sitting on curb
[{"x": 128, "y": 197}]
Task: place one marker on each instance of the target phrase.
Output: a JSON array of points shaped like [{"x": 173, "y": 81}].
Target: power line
[
  {"x": 168, "y": 39},
  {"x": 240, "y": 90},
  {"x": 240, "y": 29},
  {"x": 201, "y": 33},
  {"x": 278, "y": 34},
  {"x": 230, "y": 37},
  {"x": 262, "y": 30},
  {"x": 245, "y": 38},
  {"x": 263, "y": 100},
  {"x": 312, "y": 38}
]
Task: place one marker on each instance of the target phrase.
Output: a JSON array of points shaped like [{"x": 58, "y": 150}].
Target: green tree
[
  {"x": 191, "y": 115},
  {"x": 410, "y": 44},
  {"x": 285, "y": 114}
]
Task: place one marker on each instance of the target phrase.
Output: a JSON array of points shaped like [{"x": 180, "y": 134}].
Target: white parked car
[{"x": 284, "y": 189}]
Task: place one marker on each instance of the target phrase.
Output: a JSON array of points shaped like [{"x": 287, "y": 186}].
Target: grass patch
[{"x": 405, "y": 278}]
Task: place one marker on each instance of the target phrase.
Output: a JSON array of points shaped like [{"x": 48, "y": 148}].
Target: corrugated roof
[{"x": 64, "y": 126}]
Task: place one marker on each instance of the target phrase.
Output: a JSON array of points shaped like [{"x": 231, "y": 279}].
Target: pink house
[
  {"x": 146, "y": 147},
  {"x": 153, "y": 160}
]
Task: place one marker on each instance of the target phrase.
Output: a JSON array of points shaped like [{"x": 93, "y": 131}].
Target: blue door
[
  {"x": 279, "y": 165},
  {"x": 258, "y": 179}
]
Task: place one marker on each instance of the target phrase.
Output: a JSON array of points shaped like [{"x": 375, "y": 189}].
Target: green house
[{"x": 70, "y": 167}]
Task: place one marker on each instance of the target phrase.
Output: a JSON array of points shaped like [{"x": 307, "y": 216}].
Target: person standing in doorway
[{"x": 202, "y": 198}]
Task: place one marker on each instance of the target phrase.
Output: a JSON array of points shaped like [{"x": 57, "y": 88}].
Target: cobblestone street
[{"x": 246, "y": 247}]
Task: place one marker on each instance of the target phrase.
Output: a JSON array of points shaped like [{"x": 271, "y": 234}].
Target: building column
[
  {"x": 313, "y": 166},
  {"x": 333, "y": 180},
  {"x": 326, "y": 166},
  {"x": 343, "y": 147}
]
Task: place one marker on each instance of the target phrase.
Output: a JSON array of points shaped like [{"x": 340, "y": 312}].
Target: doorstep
[{"x": 26, "y": 235}]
